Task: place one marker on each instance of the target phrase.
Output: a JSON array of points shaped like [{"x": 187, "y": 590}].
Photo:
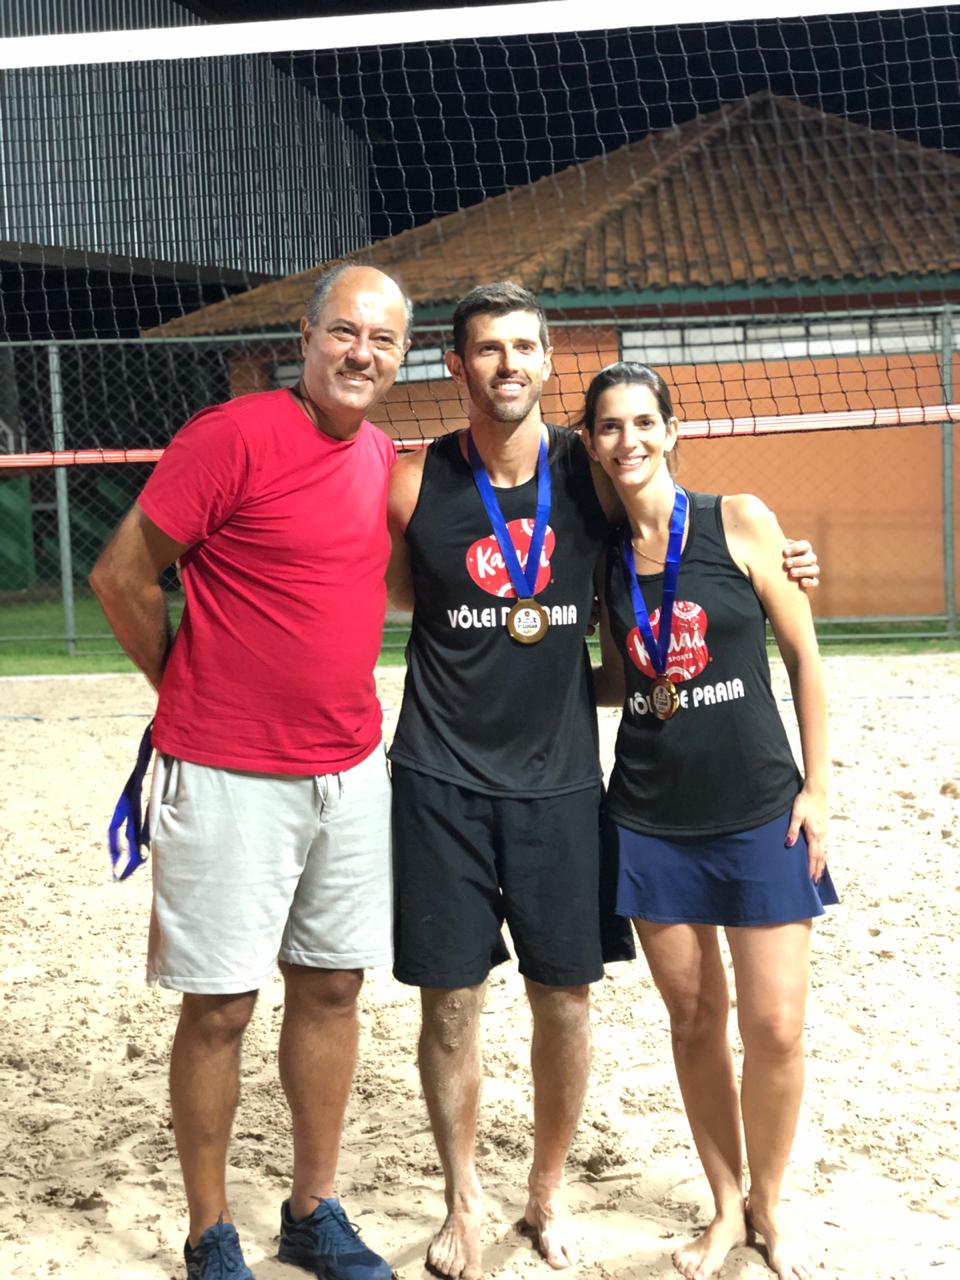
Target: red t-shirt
[{"x": 272, "y": 668}]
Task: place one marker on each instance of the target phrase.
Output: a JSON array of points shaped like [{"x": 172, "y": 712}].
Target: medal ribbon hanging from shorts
[
  {"x": 128, "y": 816},
  {"x": 527, "y": 621},
  {"x": 663, "y": 694}
]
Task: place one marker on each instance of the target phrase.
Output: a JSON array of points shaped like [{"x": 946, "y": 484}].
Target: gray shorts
[{"x": 252, "y": 867}]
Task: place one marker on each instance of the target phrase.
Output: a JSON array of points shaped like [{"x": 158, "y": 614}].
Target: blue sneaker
[
  {"x": 328, "y": 1245},
  {"x": 218, "y": 1255}
]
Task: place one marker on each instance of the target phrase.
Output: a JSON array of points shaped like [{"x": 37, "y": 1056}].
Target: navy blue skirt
[{"x": 743, "y": 878}]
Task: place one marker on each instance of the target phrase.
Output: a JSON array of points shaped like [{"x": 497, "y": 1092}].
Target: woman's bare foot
[
  {"x": 784, "y": 1256},
  {"x": 545, "y": 1219},
  {"x": 455, "y": 1250},
  {"x": 703, "y": 1257}
]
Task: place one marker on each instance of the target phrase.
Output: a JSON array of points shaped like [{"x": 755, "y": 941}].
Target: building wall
[
  {"x": 869, "y": 500},
  {"x": 62, "y": 17},
  {"x": 220, "y": 163},
  {"x": 804, "y": 386}
]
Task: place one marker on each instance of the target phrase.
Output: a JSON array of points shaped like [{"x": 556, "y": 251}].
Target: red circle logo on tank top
[
  {"x": 688, "y": 653},
  {"x": 485, "y": 559}
]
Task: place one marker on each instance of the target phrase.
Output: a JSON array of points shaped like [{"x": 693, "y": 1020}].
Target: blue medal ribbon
[
  {"x": 658, "y": 648},
  {"x": 128, "y": 816},
  {"x": 524, "y": 581}
]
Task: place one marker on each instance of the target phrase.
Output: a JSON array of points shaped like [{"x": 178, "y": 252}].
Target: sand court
[{"x": 89, "y": 1181}]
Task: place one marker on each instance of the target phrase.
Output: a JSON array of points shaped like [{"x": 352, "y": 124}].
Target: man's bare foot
[
  {"x": 455, "y": 1250},
  {"x": 784, "y": 1256},
  {"x": 545, "y": 1219},
  {"x": 703, "y": 1257}
]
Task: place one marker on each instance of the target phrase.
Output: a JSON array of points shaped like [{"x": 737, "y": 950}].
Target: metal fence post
[
  {"x": 63, "y": 502},
  {"x": 946, "y": 455}
]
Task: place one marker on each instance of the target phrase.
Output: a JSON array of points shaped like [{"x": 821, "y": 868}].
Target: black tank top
[
  {"x": 479, "y": 709},
  {"x": 723, "y": 762}
]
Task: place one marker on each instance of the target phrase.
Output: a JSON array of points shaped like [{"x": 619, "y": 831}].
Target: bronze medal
[
  {"x": 664, "y": 698},
  {"x": 527, "y": 622}
]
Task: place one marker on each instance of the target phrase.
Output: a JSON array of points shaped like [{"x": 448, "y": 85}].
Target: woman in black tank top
[{"x": 715, "y": 824}]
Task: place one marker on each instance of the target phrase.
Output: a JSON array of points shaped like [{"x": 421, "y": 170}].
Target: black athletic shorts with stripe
[{"x": 465, "y": 863}]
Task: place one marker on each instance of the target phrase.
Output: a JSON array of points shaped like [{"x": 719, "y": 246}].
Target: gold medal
[
  {"x": 527, "y": 622},
  {"x": 664, "y": 698}
]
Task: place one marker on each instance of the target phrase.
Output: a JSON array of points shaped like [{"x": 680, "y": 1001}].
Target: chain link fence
[{"x": 879, "y": 504}]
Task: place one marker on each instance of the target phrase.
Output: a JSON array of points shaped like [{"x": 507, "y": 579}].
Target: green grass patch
[
  {"x": 61, "y": 664},
  {"x": 26, "y": 621},
  {"x": 33, "y": 643},
  {"x": 929, "y": 636},
  {"x": 32, "y": 637}
]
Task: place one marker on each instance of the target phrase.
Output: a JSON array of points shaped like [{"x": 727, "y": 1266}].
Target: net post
[
  {"x": 946, "y": 470},
  {"x": 63, "y": 501}
]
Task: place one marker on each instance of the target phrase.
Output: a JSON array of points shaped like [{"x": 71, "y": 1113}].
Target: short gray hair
[{"x": 327, "y": 279}]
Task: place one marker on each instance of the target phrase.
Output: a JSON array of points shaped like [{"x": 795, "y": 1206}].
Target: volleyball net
[{"x": 765, "y": 208}]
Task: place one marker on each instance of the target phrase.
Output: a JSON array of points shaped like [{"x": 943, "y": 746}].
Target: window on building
[
  {"x": 423, "y": 364},
  {"x": 732, "y": 341},
  {"x": 286, "y": 374}
]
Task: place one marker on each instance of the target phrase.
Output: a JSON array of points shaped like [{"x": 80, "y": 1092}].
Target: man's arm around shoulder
[{"x": 126, "y": 581}]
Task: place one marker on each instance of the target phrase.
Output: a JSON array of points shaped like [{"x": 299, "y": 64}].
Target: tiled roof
[{"x": 762, "y": 191}]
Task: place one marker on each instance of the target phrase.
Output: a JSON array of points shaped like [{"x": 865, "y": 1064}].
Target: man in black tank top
[{"x": 495, "y": 767}]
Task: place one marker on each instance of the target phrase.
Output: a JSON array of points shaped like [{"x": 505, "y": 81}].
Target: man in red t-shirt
[{"x": 270, "y": 805}]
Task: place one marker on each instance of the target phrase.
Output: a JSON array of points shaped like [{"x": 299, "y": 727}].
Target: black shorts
[{"x": 464, "y": 863}]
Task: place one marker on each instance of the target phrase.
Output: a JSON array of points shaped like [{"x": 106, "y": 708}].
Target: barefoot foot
[
  {"x": 546, "y": 1221},
  {"x": 784, "y": 1255},
  {"x": 455, "y": 1250},
  {"x": 703, "y": 1257}
]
